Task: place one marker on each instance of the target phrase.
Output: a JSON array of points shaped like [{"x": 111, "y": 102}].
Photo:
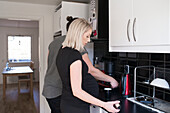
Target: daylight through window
[{"x": 19, "y": 48}]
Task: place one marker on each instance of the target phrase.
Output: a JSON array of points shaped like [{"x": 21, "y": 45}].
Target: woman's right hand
[{"x": 109, "y": 106}]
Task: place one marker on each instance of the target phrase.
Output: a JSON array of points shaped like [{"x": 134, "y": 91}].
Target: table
[{"x": 17, "y": 71}]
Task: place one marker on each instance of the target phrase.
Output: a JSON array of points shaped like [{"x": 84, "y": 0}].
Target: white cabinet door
[
  {"x": 120, "y": 19},
  {"x": 152, "y": 22},
  {"x": 149, "y": 27},
  {"x": 57, "y": 21}
]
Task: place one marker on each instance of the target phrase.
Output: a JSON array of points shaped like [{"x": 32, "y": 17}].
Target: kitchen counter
[{"x": 126, "y": 105}]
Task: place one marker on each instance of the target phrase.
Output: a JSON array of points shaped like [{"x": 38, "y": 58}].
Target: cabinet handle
[
  {"x": 134, "y": 22},
  {"x": 128, "y": 30}
]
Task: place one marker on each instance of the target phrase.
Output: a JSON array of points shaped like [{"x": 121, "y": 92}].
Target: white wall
[{"x": 44, "y": 14}]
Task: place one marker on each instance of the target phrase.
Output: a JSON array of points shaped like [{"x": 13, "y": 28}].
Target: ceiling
[{"x": 45, "y": 2}]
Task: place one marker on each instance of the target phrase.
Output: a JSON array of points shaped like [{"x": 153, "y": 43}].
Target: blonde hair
[{"x": 75, "y": 32}]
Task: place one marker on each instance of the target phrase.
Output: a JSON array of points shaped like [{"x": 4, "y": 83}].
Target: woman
[{"x": 80, "y": 89}]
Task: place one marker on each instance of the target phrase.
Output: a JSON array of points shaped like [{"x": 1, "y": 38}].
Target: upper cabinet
[
  {"x": 139, "y": 25},
  {"x": 80, "y": 10},
  {"x": 120, "y": 15},
  {"x": 57, "y": 20}
]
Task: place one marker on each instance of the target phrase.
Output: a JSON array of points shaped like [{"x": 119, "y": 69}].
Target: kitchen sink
[
  {"x": 160, "y": 106},
  {"x": 147, "y": 101}
]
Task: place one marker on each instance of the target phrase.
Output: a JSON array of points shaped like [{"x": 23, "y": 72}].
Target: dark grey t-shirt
[{"x": 52, "y": 82}]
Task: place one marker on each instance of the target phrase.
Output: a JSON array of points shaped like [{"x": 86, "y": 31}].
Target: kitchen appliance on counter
[
  {"x": 108, "y": 93},
  {"x": 125, "y": 84},
  {"x": 109, "y": 68}
]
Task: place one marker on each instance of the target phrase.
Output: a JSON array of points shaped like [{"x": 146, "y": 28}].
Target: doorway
[{"x": 18, "y": 29}]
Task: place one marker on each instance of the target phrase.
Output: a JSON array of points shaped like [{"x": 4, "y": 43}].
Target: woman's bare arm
[{"x": 99, "y": 75}]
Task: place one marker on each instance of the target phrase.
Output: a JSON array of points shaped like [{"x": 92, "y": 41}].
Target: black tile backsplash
[
  {"x": 158, "y": 63},
  {"x": 160, "y": 60},
  {"x": 143, "y": 56},
  {"x": 144, "y": 73},
  {"x": 132, "y": 62},
  {"x": 157, "y": 56},
  {"x": 159, "y": 94},
  {"x": 167, "y": 75},
  {"x": 167, "y": 65},
  {"x": 132, "y": 55},
  {"x": 122, "y": 61},
  {"x": 143, "y": 62},
  {"x": 122, "y": 54},
  {"x": 167, "y": 96},
  {"x": 167, "y": 57},
  {"x": 142, "y": 89}
]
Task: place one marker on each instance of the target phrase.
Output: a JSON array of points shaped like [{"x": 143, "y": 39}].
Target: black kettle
[{"x": 109, "y": 68}]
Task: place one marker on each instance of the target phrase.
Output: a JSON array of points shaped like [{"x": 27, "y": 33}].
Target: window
[{"x": 19, "y": 48}]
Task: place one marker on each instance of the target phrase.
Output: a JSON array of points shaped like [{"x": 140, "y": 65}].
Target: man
[{"x": 52, "y": 84}]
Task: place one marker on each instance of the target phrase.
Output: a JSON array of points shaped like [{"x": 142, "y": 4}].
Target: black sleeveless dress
[{"x": 70, "y": 103}]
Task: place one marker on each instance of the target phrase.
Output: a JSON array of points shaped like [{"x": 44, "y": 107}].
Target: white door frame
[{"x": 40, "y": 19}]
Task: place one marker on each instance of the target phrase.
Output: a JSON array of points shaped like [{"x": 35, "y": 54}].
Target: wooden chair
[{"x": 25, "y": 78}]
